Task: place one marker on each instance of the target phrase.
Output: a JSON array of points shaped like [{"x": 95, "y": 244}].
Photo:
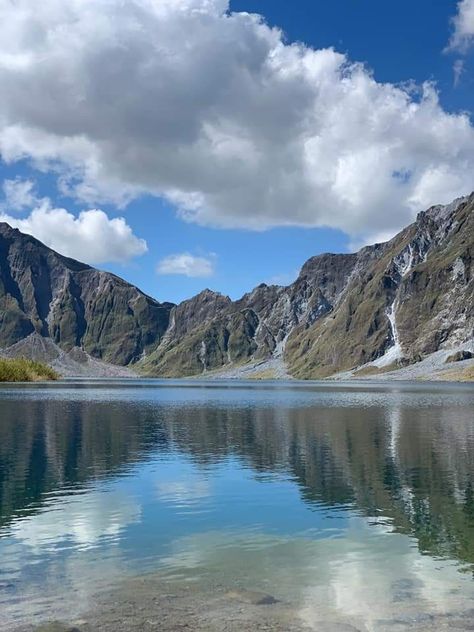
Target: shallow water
[{"x": 351, "y": 501}]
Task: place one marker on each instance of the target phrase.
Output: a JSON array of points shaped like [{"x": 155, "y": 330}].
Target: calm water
[{"x": 353, "y": 498}]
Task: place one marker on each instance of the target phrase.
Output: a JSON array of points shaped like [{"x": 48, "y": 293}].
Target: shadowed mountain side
[{"x": 73, "y": 304}]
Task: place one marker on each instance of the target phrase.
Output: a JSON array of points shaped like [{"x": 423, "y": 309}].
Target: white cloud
[
  {"x": 183, "y": 493},
  {"x": 84, "y": 519},
  {"x": 360, "y": 574},
  {"x": 187, "y": 264},
  {"x": 212, "y": 110},
  {"x": 19, "y": 194},
  {"x": 458, "y": 71},
  {"x": 463, "y": 35},
  {"x": 91, "y": 237}
]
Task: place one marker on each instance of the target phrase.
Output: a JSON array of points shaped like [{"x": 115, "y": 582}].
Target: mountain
[
  {"x": 390, "y": 303},
  {"x": 75, "y": 306},
  {"x": 254, "y": 328},
  {"x": 387, "y": 305},
  {"x": 403, "y": 300}
]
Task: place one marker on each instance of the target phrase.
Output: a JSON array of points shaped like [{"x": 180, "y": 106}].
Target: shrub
[{"x": 24, "y": 370}]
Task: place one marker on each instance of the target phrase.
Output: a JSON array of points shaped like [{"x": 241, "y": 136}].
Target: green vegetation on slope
[{"x": 23, "y": 370}]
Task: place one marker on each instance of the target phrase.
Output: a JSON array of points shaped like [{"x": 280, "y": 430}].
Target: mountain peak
[
  {"x": 6, "y": 229},
  {"x": 210, "y": 293},
  {"x": 72, "y": 303},
  {"x": 440, "y": 212}
]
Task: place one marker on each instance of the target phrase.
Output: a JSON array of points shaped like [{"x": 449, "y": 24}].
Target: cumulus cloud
[
  {"x": 214, "y": 111},
  {"x": 463, "y": 34},
  {"x": 187, "y": 264},
  {"x": 19, "y": 194},
  {"x": 91, "y": 237}
]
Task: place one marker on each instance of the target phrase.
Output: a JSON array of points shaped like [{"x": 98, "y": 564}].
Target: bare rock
[{"x": 459, "y": 356}]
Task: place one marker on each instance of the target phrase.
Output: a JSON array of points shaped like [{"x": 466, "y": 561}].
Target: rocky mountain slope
[
  {"x": 72, "y": 304},
  {"x": 210, "y": 331},
  {"x": 405, "y": 299},
  {"x": 388, "y": 305}
]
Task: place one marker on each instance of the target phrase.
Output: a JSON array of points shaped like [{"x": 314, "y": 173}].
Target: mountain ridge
[
  {"x": 73, "y": 303},
  {"x": 388, "y": 304}
]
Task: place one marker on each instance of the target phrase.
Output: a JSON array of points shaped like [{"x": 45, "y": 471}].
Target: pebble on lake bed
[
  {"x": 254, "y": 598},
  {"x": 330, "y": 626},
  {"x": 56, "y": 626}
]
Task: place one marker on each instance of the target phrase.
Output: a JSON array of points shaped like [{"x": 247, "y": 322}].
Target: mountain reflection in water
[{"x": 126, "y": 469}]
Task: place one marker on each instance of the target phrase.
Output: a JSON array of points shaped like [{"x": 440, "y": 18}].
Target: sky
[{"x": 191, "y": 144}]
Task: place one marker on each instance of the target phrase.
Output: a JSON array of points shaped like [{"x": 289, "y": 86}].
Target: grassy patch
[
  {"x": 458, "y": 375},
  {"x": 372, "y": 369},
  {"x": 367, "y": 370},
  {"x": 23, "y": 370}
]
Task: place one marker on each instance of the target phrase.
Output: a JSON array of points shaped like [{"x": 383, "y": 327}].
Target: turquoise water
[{"x": 354, "y": 498}]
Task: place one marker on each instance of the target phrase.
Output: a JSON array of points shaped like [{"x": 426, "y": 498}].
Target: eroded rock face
[
  {"x": 405, "y": 299},
  {"x": 73, "y": 304},
  {"x": 210, "y": 331},
  {"x": 388, "y": 304}
]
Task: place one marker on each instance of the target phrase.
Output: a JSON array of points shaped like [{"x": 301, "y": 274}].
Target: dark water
[{"x": 353, "y": 498}]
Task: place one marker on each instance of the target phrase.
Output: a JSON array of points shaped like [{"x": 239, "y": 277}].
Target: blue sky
[{"x": 272, "y": 224}]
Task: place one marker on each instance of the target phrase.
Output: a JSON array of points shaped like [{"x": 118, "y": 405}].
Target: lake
[{"x": 158, "y": 505}]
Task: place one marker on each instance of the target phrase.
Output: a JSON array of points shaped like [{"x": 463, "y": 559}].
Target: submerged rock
[
  {"x": 57, "y": 626},
  {"x": 252, "y": 597},
  {"x": 330, "y": 626}
]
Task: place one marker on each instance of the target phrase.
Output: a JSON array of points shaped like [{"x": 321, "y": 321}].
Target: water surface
[{"x": 351, "y": 501}]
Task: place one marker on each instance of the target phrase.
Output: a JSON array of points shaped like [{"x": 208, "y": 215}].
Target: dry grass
[
  {"x": 23, "y": 370},
  {"x": 264, "y": 374},
  {"x": 458, "y": 375},
  {"x": 371, "y": 369}
]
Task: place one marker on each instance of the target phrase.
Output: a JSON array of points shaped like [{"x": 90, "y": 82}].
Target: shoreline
[{"x": 149, "y": 603}]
